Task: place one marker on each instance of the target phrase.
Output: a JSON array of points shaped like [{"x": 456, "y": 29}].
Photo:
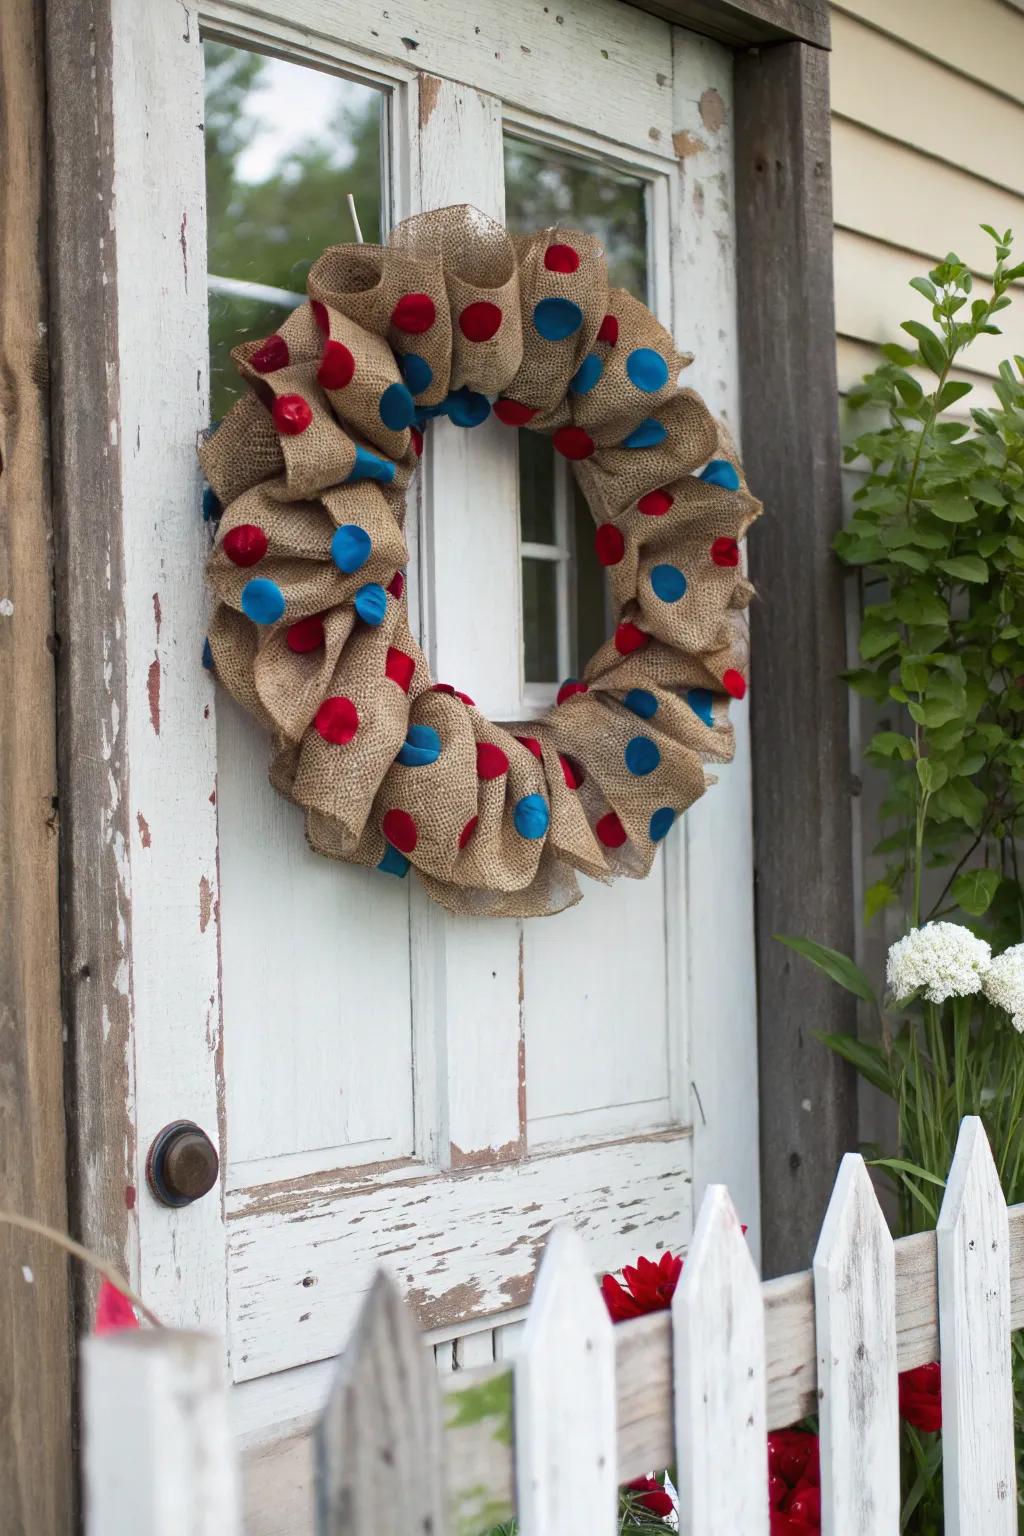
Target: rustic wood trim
[
  {"x": 35, "y": 1326},
  {"x": 748, "y": 23},
  {"x": 91, "y": 675},
  {"x": 803, "y": 839}
]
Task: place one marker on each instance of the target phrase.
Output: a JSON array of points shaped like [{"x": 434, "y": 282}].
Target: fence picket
[
  {"x": 974, "y": 1325},
  {"x": 565, "y": 1400},
  {"x": 855, "y": 1309},
  {"x": 379, "y": 1447},
  {"x": 158, "y": 1454},
  {"x": 719, "y": 1368}
]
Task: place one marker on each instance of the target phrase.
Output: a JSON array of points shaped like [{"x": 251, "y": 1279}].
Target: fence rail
[{"x": 585, "y": 1406}]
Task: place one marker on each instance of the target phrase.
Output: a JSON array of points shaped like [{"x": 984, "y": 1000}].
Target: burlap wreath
[{"x": 310, "y": 632}]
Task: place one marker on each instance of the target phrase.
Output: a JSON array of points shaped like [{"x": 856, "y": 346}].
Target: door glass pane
[
  {"x": 284, "y": 144},
  {"x": 540, "y": 629},
  {"x": 544, "y": 186}
]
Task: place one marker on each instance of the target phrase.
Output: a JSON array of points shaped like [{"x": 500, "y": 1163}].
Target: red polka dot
[
  {"x": 655, "y": 503},
  {"x": 480, "y": 321},
  {"x": 628, "y": 639},
  {"x": 571, "y": 772},
  {"x": 569, "y": 688},
  {"x": 414, "y": 313},
  {"x": 400, "y": 830},
  {"x": 417, "y": 441},
  {"x": 491, "y": 761},
  {"x": 734, "y": 683},
  {"x": 245, "y": 545},
  {"x": 337, "y": 720},
  {"x": 513, "y": 413},
  {"x": 573, "y": 443},
  {"x": 609, "y": 544},
  {"x": 321, "y": 316},
  {"x": 609, "y": 331},
  {"x": 271, "y": 356},
  {"x": 337, "y": 367},
  {"x": 725, "y": 552},
  {"x": 399, "y": 667},
  {"x": 396, "y": 586},
  {"x": 467, "y": 831},
  {"x": 610, "y": 831},
  {"x": 561, "y": 258},
  {"x": 453, "y": 692},
  {"x": 292, "y": 415},
  {"x": 305, "y": 635},
  {"x": 531, "y": 744}
]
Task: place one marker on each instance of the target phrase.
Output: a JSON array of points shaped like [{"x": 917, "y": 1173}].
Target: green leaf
[
  {"x": 868, "y": 1059},
  {"x": 876, "y": 898},
  {"x": 931, "y": 775},
  {"x": 975, "y": 890},
  {"x": 892, "y": 744},
  {"x": 951, "y": 391},
  {"x": 965, "y": 568},
  {"x": 839, "y": 967},
  {"x": 878, "y": 638},
  {"x": 903, "y": 1165},
  {"x": 925, "y": 287},
  {"x": 952, "y": 508},
  {"x": 894, "y": 353},
  {"x": 930, "y": 346},
  {"x": 910, "y": 557}
]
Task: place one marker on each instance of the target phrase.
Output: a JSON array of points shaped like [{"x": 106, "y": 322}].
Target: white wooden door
[{"x": 388, "y": 1083}]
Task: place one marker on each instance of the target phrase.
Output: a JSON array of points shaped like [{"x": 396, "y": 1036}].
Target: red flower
[
  {"x": 794, "y": 1496},
  {"x": 655, "y": 1497},
  {"x": 113, "y": 1311},
  {"x": 921, "y": 1397},
  {"x": 651, "y": 1287}
]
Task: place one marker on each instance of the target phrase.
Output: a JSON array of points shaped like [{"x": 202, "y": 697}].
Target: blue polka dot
[
  {"x": 394, "y": 863},
  {"x": 647, "y": 370},
  {"x": 427, "y": 413},
  {"x": 642, "y": 756},
  {"x": 207, "y": 656},
  {"x": 648, "y": 434},
  {"x": 371, "y": 603},
  {"x": 587, "y": 374},
  {"x": 641, "y": 703},
  {"x": 466, "y": 408},
  {"x": 422, "y": 746},
  {"x": 661, "y": 823},
  {"x": 368, "y": 467},
  {"x": 416, "y": 372},
  {"x": 531, "y": 817},
  {"x": 350, "y": 548},
  {"x": 721, "y": 472},
  {"x": 212, "y": 508},
  {"x": 701, "y": 701},
  {"x": 397, "y": 408},
  {"x": 668, "y": 582},
  {"x": 262, "y": 600},
  {"x": 556, "y": 319}
]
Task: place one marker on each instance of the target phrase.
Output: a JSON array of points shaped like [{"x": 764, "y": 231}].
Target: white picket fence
[{"x": 404, "y": 1451}]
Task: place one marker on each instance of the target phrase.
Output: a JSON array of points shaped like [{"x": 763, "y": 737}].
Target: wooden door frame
[{"x": 787, "y": 356}]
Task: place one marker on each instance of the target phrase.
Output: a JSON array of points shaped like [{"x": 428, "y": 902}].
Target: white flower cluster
[
  {"x": 944, "y": 959},
  {"x": 1004, "y": 984}
]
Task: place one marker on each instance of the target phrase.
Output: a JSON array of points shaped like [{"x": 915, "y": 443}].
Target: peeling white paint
[{"x": 6, "y": 607}]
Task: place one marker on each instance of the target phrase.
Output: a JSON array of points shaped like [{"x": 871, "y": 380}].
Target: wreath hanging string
[{"x": 310, "y": 632}]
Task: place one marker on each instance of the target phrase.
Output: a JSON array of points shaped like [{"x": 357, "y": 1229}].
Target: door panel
[{"x": 394, "y": 1085}]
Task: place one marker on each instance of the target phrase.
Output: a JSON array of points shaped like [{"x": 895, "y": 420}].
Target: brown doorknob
[{"x": 182, "y": 1164}]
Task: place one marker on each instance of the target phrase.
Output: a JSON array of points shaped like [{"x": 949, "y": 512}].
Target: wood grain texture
[
  {"x": 719, "y": 1378},
  {"x": 158, "y": 1458},
  {"x": 973, "y": 1240},
  {"x": 379, "y": 1450},
  {"x": 91, "y": 675},
  {"x": 35, "y": 1329},
  {"x": 855, "y": 1305},
  {"x": 565, "y": 1400},
  {"x": 748, "y": 22},
  {"x": 802, "y": 818}
]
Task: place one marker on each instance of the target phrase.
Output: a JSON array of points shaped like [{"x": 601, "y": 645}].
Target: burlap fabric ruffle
[{"x": 310, "y": 632}]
